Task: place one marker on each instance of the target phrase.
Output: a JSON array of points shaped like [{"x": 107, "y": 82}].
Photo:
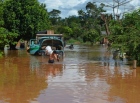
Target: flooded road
[{"x": 84, "y": 75}]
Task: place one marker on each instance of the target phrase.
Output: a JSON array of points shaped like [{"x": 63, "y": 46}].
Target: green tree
[
  {"x": 1, "y": 13},
  {"x": 125, "y": 35},
  {"x": 25, "y": 18},
  {"x": 90, "y": 21},
  {"x": 74, "y": 23},
  {"x": 5, "y": 36},
  {"x": 67, "y": 31},
  {"x": 54, "y": 16}
]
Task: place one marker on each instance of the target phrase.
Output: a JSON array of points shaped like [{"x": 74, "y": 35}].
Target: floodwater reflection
[{"x": 85, "y": 75}]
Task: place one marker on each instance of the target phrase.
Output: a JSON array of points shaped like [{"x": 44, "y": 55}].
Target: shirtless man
[
  {"x": 52, "y": 54},
  {"x": 52, "y": 57}
]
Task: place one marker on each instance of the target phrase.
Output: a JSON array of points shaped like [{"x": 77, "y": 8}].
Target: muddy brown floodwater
[{"x": 85, "y": 75}]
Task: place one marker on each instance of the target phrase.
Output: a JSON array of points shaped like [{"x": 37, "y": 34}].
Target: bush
[
  {"x": 73, "y": 41},
  {"x": 1, "y": 54}
]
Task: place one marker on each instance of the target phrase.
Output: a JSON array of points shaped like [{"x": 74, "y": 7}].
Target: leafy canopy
[
  {"x": 125, "y": 34},
  {"x": 25, "y": 17}
]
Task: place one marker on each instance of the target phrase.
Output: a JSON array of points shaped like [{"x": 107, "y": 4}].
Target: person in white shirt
[
  {"x": 48, "y": 50},
  {"x": 52, "y": 54}
]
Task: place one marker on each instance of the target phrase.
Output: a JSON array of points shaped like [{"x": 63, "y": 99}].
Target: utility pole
[{"x": 117, "y": 4}]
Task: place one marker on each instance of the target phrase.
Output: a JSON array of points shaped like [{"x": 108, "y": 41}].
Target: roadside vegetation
[{"x": 23, "y": 19}]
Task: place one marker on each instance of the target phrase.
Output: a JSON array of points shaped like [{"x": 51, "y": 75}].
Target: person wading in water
[{"x": 52, "y": 54}]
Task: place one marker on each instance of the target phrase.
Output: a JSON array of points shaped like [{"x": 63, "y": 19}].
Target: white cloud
[
  {"x": 53, "y": 4},
  {"x": 135, "y": 2},
  {"x": 69, "y": 13},
  {"x": 71, "y": 3},
  {"x": 73, "y": 12},
  {"x": 117, "y": 11},
  {"x": 65, "y": 6},
  {"x": 70, "y": 7}
]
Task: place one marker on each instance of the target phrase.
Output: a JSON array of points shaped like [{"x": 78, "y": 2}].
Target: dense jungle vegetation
[{"x": 22, "y": 19}]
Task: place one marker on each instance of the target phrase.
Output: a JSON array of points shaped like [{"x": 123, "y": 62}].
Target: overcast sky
[{"x": 70, "y": 7}]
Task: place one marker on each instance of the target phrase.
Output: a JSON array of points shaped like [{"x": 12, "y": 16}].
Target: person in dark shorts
[{"x": 53, "y": 56}]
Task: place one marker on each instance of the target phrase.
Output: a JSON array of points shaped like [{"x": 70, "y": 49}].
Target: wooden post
[
  {"x": 134, "y": 72},
  {"x": 134, "y": 64}
]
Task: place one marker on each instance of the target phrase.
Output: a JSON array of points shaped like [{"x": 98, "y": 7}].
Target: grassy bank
[{"x": 77, "y": 42}]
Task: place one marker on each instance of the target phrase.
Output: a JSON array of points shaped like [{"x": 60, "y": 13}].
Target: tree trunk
[
  {"x": 105, "y": 19},
  {"x": 107, "y": 28}
]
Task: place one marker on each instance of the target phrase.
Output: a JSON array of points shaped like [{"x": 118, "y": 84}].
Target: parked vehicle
[{"x": 37, "y": 46}]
